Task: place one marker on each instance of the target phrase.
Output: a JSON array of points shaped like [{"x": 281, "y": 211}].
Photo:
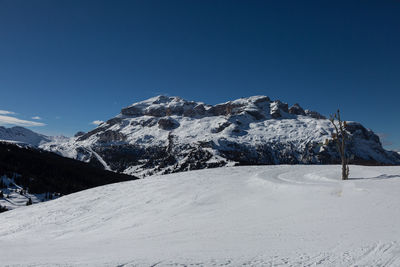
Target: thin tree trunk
[
  {"x": 344, "y": 161},
  {"x": 344, "y": 170},
  {"x": 340, "y": 137}
]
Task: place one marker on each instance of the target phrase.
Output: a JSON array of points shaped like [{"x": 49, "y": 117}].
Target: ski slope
[{"x": 233, "y": 216}]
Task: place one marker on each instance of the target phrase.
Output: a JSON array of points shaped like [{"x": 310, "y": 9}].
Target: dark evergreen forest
[{"x": 42, "y": 171}]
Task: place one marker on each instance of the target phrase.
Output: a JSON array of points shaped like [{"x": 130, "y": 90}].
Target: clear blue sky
[{"x": 73, "y": 62}]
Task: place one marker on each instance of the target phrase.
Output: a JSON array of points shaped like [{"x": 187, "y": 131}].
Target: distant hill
[{"x": 22, "y": 135}]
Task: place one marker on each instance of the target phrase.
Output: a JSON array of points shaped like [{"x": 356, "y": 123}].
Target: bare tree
[{"x": 340, "y": 137}]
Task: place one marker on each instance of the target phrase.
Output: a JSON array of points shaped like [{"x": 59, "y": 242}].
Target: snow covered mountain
[
  {"x": 169, "y": 134},
  {"x": 297, "y": 215},
  {"x": 22, "y": 135}
]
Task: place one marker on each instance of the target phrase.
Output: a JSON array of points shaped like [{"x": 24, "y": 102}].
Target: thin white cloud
[
  {"x": 6, "y": 112},
  {"x": 97, "y": 122},
  {"x": 18, "y": 122},
  {"x": 36, "y": 118}
]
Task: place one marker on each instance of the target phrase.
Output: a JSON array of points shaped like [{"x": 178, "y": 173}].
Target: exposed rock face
[
  {"x": 278, "y": 109},
  {"x": 131, "y": 111},
  {"x": 167, "y": 124},
  {"x": 175, "y": 106},
  {"x": 314, "y": 114},
  {"x": 80, "y": 133},
  {"x": 297, "y": 110},
  {"x": 168, "y": 134},
  {"x": 221, "y": 127},
  {"x": 111, "y": 136}
]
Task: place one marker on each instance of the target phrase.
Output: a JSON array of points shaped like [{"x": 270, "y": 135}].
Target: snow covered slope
[
  {"x": 14, "y": 196},
  {"x": 27, "y": 172},
  {"x": 255, "y": 216},
  {"x": 169, "y": 134},
  {"x": 23, "y": 135}
]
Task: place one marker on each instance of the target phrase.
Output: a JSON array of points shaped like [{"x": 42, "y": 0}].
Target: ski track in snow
[
  {"x": 100, "y": 159},
  {"x": 239, "y": 216}
]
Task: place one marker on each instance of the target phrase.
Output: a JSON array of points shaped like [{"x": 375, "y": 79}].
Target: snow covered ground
[
  {"x": 254, "y": 216},
  {"x": 14, "y": 196}
]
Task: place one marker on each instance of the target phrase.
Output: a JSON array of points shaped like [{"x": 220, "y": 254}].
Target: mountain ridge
[
  {"x": 23, "y": 135},
  {"x": 169, "y": 134}
]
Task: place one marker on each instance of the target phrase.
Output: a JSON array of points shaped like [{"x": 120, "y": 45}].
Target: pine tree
[{"x": 3, "y": 209}]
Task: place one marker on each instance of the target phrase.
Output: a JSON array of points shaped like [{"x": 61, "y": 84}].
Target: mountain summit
[
  {"x": 22, "y": 135},
  {"x": 169, "y": 134}
]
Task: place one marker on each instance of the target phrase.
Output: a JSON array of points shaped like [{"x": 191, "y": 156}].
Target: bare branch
[{"x": 340, "y": 136}]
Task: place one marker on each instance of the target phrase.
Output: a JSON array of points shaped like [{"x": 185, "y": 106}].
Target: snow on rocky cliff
[{"x": 169, "y": 134}]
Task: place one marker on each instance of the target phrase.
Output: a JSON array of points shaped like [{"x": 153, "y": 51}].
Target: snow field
[{"x": 256, "y": 216}]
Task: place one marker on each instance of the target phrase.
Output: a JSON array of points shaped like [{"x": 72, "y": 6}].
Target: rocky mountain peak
[
  {"x": 260, "y": 107},
  {"x": 169, "y": 134},
  {"x": 161, "y": 106}
]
